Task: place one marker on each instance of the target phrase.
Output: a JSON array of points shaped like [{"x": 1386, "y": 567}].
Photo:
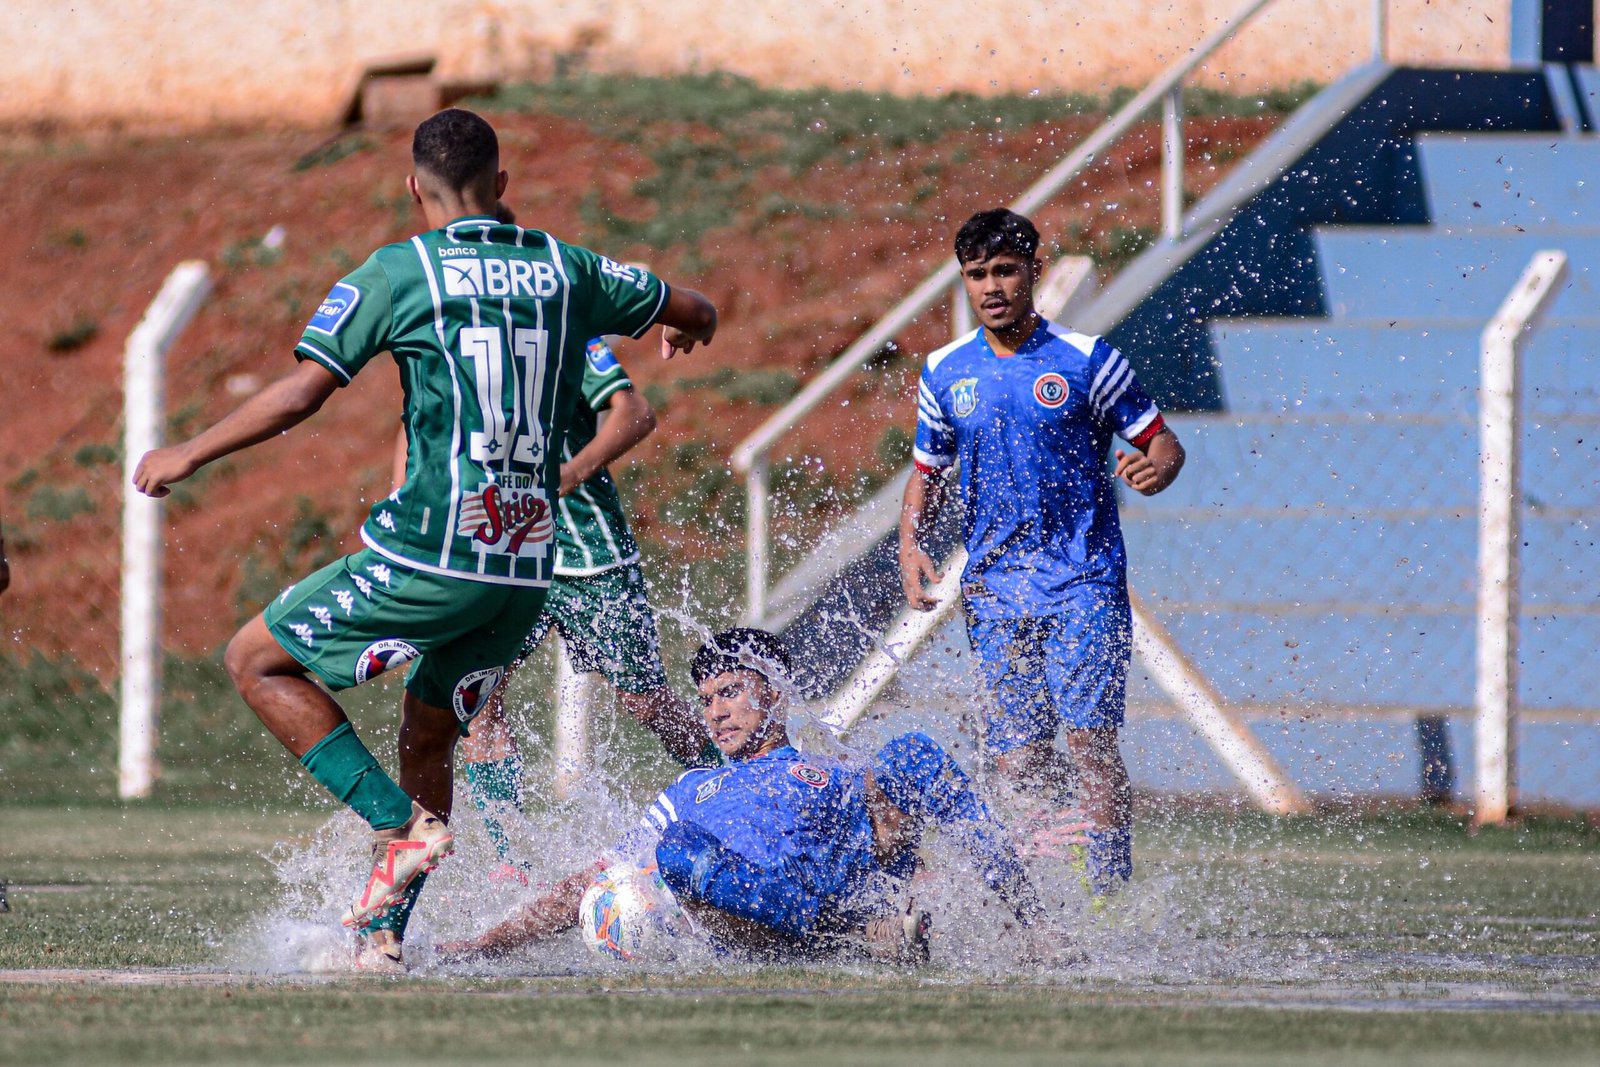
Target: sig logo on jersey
[
  {"x": 498, "y": 277},
  {"x": 381, "y": 656},
  {"x": 473, "y": 689},
  {"x": 507, "y": 520},
  {"x": 964, "y": 396},
  {"x": 1050, "y": 390},
  {"x": 815, "y": 777},
  {"x": 601, "y": 358},
  {"x": 335, "y": 309}
]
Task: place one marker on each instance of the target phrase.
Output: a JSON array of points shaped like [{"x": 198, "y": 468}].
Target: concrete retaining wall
[{"x": 296, "y": 62}]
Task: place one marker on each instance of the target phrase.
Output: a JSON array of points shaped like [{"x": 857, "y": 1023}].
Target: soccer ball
[{"x": 628, "y": 911}]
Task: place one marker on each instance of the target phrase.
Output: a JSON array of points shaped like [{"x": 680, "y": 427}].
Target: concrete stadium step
[
  {"x": 1404, "y": 656},
  {"x": 1423, "y": 272},
  {"x": 1332, "y": 366},
  {"x": 1535, "y": 181},
  {"x": 1350, "y": 558}
]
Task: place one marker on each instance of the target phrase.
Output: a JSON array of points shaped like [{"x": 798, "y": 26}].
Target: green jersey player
[
  {"x": 598, "y": 599},
  {"x": 487, "y": 323}
]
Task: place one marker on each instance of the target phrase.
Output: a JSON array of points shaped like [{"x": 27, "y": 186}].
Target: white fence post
[
  {"x": 1499, "y": 507},
  {"x": 143, "y": 416},
  {"x": 570, "y": 747}
]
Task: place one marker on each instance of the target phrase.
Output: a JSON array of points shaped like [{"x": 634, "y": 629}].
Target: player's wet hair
[
  {"x": 457, "y": 147},
  {"x": 743, "y": 648},
  {"x": 993, "y": 233}
]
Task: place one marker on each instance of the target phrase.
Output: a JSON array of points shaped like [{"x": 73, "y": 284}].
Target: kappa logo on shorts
[
  {"x": 335, "y": 309},
  {"x": 815, "y": 777},
  {"x": 381, "y": 656},
  {"x": 964, "y": 396},
  {"x": 601, "y": 358},
  {"x": 1050, "y": 390},
  {"x": 473, "y": 690}
]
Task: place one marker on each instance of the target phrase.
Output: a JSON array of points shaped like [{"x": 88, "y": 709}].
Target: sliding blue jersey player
[
  {"x": 784, "y": 852},
  {"x": 1029, "y": 409}
]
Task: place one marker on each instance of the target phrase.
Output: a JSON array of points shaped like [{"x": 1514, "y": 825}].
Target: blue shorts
[{"x": 1068, "y": 669}]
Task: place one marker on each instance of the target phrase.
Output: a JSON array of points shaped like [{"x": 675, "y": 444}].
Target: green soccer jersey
[
  {"x": 488, "y": 324},
  {"x": 592, "y": 535}
]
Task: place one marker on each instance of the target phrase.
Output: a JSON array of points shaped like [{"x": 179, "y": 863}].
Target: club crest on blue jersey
[
  {"x": 1050, "y": 390},
  {"x": 964, "y": 396},
  {"x": 710, "y": 787},
  {"x": 335, "y": 309},
  {"x": 815, "y": 777},
  {"x": 601, "y": 358}
]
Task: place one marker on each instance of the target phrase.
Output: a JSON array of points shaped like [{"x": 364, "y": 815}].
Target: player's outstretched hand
[
  {"x": 159, "y": 468},
  {"x": 917, "y": 573},
  {"x": 674, "y": 340},
  {"x": 1138, "y": 472}
]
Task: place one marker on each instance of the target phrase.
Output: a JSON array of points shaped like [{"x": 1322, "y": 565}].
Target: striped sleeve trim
[
  {"x": 1142, "y": 430},
  {"x": 661, "y": 302},
  {"x": 308, "y": 349},
  {"x": 608, "y": 391},
  {"x": 928, "y": 463},
  {"x": 1110, "y": 383}
]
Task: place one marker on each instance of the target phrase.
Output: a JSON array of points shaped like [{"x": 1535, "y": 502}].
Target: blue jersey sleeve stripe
[
  {"x": 1121, "y": 386},
  {"x": 1106, "y": 380},
  {"x": 323, "y": 358},
  {"x": 666, "y": 803},
  {"x": 929, "y": 459}
]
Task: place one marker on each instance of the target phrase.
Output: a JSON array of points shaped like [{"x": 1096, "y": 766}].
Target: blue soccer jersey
[
  {"x": 1031, "y": 431},
  {"x": 785, "y": 839}
]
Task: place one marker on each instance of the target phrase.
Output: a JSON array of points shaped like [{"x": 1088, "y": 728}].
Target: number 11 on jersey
[{"x": 482, "y": 346}]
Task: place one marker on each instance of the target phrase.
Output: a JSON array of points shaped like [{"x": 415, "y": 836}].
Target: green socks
[
  {"x": 495, "y": 786},
  {"x": 396, "y": 916},
  {"x": 347, "y": 770}
]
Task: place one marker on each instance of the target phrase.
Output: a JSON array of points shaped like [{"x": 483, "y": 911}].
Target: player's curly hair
[
  {"x": 743, "y": 648},
  {"x": 996, "y": 232},
  {"x": 457, "y": 147}
]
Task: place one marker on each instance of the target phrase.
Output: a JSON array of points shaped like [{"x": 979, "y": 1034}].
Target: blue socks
[{"x": 1110, "y": 859}]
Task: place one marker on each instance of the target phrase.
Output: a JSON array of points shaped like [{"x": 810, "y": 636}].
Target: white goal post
[{"x": 143, "y": 423}]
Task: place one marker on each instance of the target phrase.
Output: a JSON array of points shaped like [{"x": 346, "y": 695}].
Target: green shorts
[
  {"x": 364, "y": 614},
  {"x": 606, "y": 622}
]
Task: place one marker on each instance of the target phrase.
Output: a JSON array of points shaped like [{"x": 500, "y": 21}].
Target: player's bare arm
[
  {"x": 689, "y": 319},
  {"x": 629, "y": 419},
  {"x": 1155, "y": 467},
  {"x": 919, "y": 509},
  {"x": 285, "y": 403},
  {"x": 553, "y": 912}
]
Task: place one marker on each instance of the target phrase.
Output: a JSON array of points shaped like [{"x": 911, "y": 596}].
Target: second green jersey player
[
  {"x": 488, "y": 324},
  {"x": 598, "y": 600}
]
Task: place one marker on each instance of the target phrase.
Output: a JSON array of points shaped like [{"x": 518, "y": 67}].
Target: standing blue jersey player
[{"x": 1028, "y": 408}]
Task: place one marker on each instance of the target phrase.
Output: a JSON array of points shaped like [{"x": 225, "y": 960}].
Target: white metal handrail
[
  {"x": 1499, "y": 507},
  {"x": 751, "y": 457}
]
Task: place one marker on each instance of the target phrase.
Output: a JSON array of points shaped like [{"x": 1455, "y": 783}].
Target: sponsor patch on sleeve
[
  {"x": 335, "y": 309},
  {"x": 601, "y": 358}
]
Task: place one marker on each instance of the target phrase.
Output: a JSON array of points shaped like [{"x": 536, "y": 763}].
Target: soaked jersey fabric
[
  {"x": 785, "y": 839},
  {"x": 488, "y": 324},
  {"x": 592, "y": 534},
  {"x": 1031, "y": 432}
]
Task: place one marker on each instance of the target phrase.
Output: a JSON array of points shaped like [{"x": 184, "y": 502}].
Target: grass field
[{"x": 1383, "y": 939}]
